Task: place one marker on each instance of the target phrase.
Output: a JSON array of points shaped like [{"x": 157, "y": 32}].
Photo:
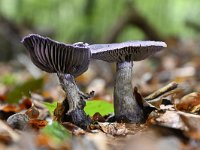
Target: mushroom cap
[
  {"x": 126, "y": 51},
  {"x": 55, "y": 57}
]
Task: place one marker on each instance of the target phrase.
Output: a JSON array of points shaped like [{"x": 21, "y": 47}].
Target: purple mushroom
[
  {"x": 123, "y": 54},
  {"x": 68, "y": 61}
]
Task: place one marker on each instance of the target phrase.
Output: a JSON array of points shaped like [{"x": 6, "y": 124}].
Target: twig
[
  {"x": 85, "y": 96},
  {"x": 171, "y": 86}
]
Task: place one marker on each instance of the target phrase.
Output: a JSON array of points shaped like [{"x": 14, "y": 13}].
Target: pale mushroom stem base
[
  {"x": 125, "y": 105},
  {"x": 73, "y": 105}
]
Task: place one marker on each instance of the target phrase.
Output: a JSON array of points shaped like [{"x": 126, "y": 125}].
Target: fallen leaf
[
  {"x": 32, "y": 112},
  {"x": 57, "y": 132},
  {"x": 101, "y": 106},
  {"x": 98, "y": 117},
  {"x": 25, "y": 104},
  {"x": 170, "y": 119},
  {"x": 10, "y": 108},
  {"x": 3, "y": 98},
  {"x": 24, "y": 90},
  {"x": 191, "y": 120},
  {"x": 188, "y": 102},
  {"x": 69, "y": 126},
  {"x": 115, "y": 129},
  {"x": 37, "y": 123},
  {"x": 58, "y": 111},
  {"x": 52, "y": 106}
]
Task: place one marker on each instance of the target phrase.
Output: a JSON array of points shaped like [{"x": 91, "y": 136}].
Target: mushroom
[
  {"x": 68, "y": 61},
  {"x": 126, "y": 108}
]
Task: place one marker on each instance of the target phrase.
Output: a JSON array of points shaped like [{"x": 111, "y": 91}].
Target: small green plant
[
  {"x": 56, "y": 131},
  {"x": 50, "y": 106}
]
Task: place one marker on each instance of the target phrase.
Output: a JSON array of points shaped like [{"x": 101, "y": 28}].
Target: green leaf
[
  {"x": 50, "y": 106},
  {"x": 24, "y": 90},
  {"x": 103, "y": 107},
  {"x": 56, "y": 131}
]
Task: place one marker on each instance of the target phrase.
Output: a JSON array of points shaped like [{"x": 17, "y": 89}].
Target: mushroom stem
[
  {"x": 68, "y": 85},
  {"x": 125, "y": 105},
  {"x": 75, "y": 113}
]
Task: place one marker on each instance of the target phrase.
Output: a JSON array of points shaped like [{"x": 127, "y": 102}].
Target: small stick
[
  {"x": 85, "y": 96},
  {"x": 171, "y": 86}
]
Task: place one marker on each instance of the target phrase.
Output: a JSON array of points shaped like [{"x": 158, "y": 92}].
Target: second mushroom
[{"x": 123, "y": 54}]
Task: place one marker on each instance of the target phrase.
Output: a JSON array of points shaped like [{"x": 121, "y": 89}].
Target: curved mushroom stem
[
  {"x": 125, "y": 105},
  {"x": 75, "y": 113}
]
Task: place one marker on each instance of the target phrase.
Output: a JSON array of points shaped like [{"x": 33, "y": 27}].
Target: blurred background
[{"x": 100, "y": 21}]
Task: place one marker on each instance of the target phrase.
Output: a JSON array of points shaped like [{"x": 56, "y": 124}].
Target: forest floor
[{"x": 28, "y": 99}]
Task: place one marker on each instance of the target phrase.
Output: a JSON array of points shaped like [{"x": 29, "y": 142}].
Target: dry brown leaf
[
  {"x": 25, "y": 104},
  {"x": 192, "y": 122},
  {"x": 196, "y": 109},
  {"x": 170, "y": 119},
  {"x": 58, "y": 112},
  {"x": 43, "y": 139},
  {"x": 98, "y": 117},
  {"x": 188, "y": 102},
  {"x": 78, "y": 131},
  {"x": 75, "y": 129},
  {"x": 3, "y": 98},
  {"x": 115, "y": 129},
  {"x": 9, "y": 108},
  {"x": 32, "y": 112},
  {"x": 37, "y": 123}
]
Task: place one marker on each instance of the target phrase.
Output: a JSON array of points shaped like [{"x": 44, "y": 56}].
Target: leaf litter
[{"x": 170, "y": 97}]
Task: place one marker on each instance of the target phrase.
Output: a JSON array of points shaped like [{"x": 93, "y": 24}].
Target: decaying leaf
[
  {"x": 170, "y": 119},
  {"x": 114, "y": 129},
  {"x": 37, "y": 123},
  {"x": 193, "y": 123},
  {"x": 10, "y": 109},
  {"x": 7, "y": 110},
  {"x": 25, "y": 104},
  {"x": 32, "y": 112},
  {"x": 73, "y": 128},
  {"x": 3, "y": 98},
  {"x": 24, "y": 89},
  {"x": 98, "y": 117},
  {"x": 189, "y": 102},
  {"x": 58, "y": 112},
  {"x": 56, "y": 131}
]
